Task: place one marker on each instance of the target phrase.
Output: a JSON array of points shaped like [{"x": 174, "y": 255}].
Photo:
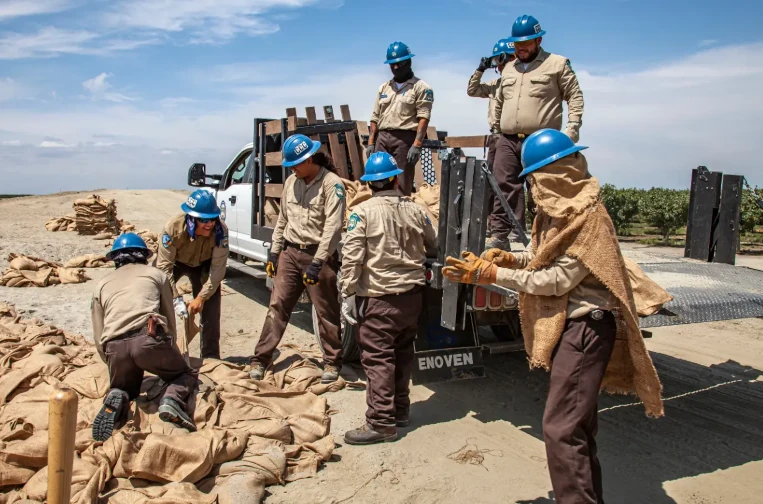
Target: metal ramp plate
[{"x": 705, "y": 292}]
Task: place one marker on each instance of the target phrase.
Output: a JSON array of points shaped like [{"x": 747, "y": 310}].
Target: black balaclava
[{"x": 403, "y": 72}]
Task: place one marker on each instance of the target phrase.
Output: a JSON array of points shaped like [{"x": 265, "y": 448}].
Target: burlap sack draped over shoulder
[
  {"x": 572, "y": 221},
  {"x": 250, "y": 434},
  {"x": 24, "y": 271},
  {"x": 427, "y": 197}
]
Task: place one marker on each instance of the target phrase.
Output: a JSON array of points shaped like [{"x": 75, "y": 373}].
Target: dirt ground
[{"x": 707, "y": 449}]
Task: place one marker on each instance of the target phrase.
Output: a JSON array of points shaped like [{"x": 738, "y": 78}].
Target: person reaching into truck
[
  {"x": 383, "y": 277},
  {"x": 579, "y": 319},
  {"x": 529, "y": 98},
  {"x": 304, "y": 254},
  {"x": 134, "y": 332},
  {"x": 195, "y": 244},
  {"x": 401, "y": 115}
]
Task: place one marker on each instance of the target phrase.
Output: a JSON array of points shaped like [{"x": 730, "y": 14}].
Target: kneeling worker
[
  {"x": 195, "y": 244},
  {"x": 134, "y": 331},
  {"x": 578, "y": 315},
  {"x": 383, "y": 277}
]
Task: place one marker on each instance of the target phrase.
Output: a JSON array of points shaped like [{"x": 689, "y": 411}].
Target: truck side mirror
[{"x": 197, "y": 175}]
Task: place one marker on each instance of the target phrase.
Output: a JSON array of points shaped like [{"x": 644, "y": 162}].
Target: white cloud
[
  {"x": 708, "y": 43},
  {"x": 10, "y": 89},
  {"x": 54, "y": 144},
  {"x": 17, "y": 8},
  {"x": 49, "y": 42},
  {"x": 11, "y": 143},
  {"x": 99, "y": 89}
]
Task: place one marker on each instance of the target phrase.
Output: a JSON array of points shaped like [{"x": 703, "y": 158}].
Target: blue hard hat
[
  {"x": 525, "y": 28},
  {"x": 379, "y": 166},
  {"x": 544, "y": 147},
  {"x": 398, "y": 51},
  {"x": 503, "y": 46},
  {"x": 297, "y": 148},
  {"x": 124, "y": 242},
  {"x": 201, "y": 204}
]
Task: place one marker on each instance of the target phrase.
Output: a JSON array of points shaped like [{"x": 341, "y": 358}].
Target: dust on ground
[{"x": 707, "y": 449}]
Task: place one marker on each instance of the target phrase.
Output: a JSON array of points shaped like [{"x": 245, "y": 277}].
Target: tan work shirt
[
  {"x": 566, "y": 275},
  {"x": 401, "y": 109},
  {"x": 124, "y": 299},
  {"x": 311, "y": 214},
  {"x": 177, "y": 245},
  {"x": 479, "y": 89},
  {"x": 387, "y": 241},
  {"x": 531, "y": 99}
]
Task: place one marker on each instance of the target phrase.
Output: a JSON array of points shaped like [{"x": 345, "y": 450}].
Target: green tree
[
  {"x": 666, "y": 209},
  {"x": 621, "y": 204},
  {"x": 751, "y": 214}
]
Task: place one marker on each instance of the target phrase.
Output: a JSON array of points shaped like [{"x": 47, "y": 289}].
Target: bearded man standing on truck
[
  {"x": 401, "y": 115},
  {"x": 195, "y": 244},
  {"x": 579, "y": 318},
  {"x": 383, "y": 279},
  {"x": 529, "y": 98}
]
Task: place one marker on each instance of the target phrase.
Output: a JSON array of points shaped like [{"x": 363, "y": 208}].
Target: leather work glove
[
  {"x": 195, "y": 306},
  {"x": 484, "y": 64},
  {"x": 350, "y": 310},
  {"x": 414, "y": 153},
  {"x": 369, "y": 150},
  {"x": 472, "y": 270},
  {"x": 180, "y": 307},
  {"x": 272, "y": 265},
  {"x": 313, "y": 271},
  {"x": 499, "y": 257},
  {"x": 573, "y": 131}
]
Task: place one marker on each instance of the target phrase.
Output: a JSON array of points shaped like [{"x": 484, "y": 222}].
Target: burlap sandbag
[
  {"x": 355, "y": 192},
  {"x": 647, "y": 294},
  {"x": 428, "y": 197}
]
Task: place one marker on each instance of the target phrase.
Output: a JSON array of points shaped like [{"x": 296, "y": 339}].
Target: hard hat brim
[
  {"x": 527, "y": 37},
  {"x": 303, "y": 157},
  {"x": 380, "y": 176},
  {"x": 551, "y": 159},
  {"x": 201, "y": 215},
  {"x": 398, "y": 60}
]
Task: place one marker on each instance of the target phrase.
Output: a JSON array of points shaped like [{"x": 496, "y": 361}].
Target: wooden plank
[
  {"x": 291, "y": 112},
  {"x": 362, "y": 129},
  {"x": 345, "y": 112},
  {"x": 338, "y": 151},
  {"x": 273, "y": 127},
  {"x": 353, "y": 147},
  {"x": 465, "y": 141},
  {"x": 273, "y": 190},
  {"x": 273, "y": 159},
  {"x": 328, "y": 113},
  {"x": 291, "y": 118},
  {"x": 311, "y": 119},
  {"x": 436, "y": 161}
]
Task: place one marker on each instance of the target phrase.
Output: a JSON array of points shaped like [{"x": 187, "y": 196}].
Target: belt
[{"x": 306, "y": 248}]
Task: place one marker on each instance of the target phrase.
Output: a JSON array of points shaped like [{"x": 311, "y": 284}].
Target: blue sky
[{"x": 128, "y": 93}]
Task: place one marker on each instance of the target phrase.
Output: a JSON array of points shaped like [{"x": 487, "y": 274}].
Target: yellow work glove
[
  {"x": 272, "y": 265},
  {"x": 499, "y": 257},
  {"x": 472, "y": 270}
]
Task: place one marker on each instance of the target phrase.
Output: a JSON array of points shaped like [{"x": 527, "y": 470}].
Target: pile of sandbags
[
  {"x": 24, "y": 271},
  {"x": 251, "y": 434},
  {"x": 66, "y": 223},
  {"x": 151, "y": 239},
  {"x": 89, "y": 261},
  {"x": 95, "y": 215}
]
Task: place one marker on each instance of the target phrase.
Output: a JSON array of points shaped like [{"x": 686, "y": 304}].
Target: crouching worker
[
  {"x": 134, "y": 331},
  {"x": 578, "y": 315},
  {"x": 383, "y": 277}
]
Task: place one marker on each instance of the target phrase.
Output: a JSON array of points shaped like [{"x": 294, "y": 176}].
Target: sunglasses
[{"x": 205, "y": 221}]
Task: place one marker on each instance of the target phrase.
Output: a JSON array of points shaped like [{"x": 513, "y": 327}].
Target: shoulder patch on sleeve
[
  {"x": 569, "y": 65},
  {"x": 339, "y": 189},
  {"x": 352, "y": 223},
  {"x": 429, "y": 95},
  {"x": 166, "y": 240},
  {"x": 224, "y": 242}
]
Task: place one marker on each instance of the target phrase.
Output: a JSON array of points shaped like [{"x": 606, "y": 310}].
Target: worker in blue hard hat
[
  {"x": 533, "y": 89},
  {"x": 195, "y": 244},
  {"x": 134, "y": 332},
  {"x": 401, "y": 114},
  {"x": 304, "y": 254},
  {"x": 578, "y": 314},
  {"x": 383, "y": 278}
]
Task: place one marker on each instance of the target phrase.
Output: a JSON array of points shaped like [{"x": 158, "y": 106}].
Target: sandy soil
[{"x": 708, "y": 448}]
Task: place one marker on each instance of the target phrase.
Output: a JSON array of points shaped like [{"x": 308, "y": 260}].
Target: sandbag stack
[
  {"x": 25, "y": 271},
  {"x": 95, "y": 215},
  {"x": 66, "y": 223}
]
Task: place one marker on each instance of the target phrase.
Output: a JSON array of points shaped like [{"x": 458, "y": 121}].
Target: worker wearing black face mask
[{"x": 401, "y": 115}]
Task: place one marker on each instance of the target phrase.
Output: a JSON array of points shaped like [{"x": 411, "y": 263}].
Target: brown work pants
[
  {"x": 507, "y": 166},
  {"x": 387, "y": 326},
  {"x": 130, "y": 356},
  {"x": 287, "y": 288},
  {"x": 397, "y": 143},
  {"x": 210, "y": 312},
  {"x": 570, "y": 421}
]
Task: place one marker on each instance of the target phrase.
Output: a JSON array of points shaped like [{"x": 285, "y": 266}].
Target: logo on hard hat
[
  {"x": 191, "y": 202},
  {"x": 392, "y": 160},
  {"x": 394, "y": 54},
  {"x": 537, "y": 28},
  {"x": 300, "y": 148}
]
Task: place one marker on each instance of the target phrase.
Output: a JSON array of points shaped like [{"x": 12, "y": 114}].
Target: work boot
[
  {"x": 499, "y": 242},
  {"x": 330, "y": 374},
  {"x": 113, "y": 409},
  {"x": 170, "y": 411},
  {"x": 402, "y": 419},
  {"x": 366, "y": 436},
  {"x": 257, "y": 372}
]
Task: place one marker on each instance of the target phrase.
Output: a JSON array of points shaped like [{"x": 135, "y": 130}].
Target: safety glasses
[
  {"x": 205, "y": 221},
  {"x": 502, "y": 59}
]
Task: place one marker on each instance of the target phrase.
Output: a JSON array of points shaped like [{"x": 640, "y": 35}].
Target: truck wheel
[{"x": 350, "y": 349}]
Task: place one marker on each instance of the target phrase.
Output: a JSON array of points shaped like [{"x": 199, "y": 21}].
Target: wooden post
[{"x": 62, "y": 419}]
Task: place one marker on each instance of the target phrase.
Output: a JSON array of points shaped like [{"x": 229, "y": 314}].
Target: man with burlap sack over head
[{"x": 579, "y": 319}]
